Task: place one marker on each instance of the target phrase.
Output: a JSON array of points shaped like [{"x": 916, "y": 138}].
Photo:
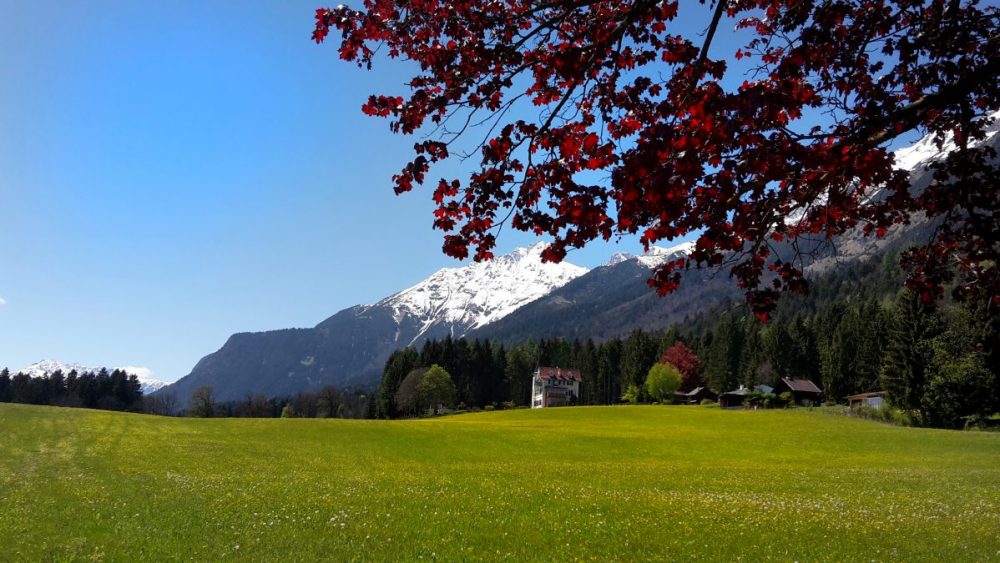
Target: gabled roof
[
  {"x": 741, "y": 391},
  {"x": 801, "y": 385},
  {"x": 557, "y": 373},
  {"x": 694, "y": 391}
]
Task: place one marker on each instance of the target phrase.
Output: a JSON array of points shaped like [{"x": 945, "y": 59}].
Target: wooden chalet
[
  {"x": 555, "y": 387},
  {"x": 804, "y": 392}
]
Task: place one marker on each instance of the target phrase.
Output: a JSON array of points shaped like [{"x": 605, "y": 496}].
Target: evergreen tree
[
  {"x": 399, "y": 364},
  {"x": 4, "y": 386},
  {"x": 639, "y": 353},
  {"x": 904, "y": 367},
  {"x": 521, "y": 363}
]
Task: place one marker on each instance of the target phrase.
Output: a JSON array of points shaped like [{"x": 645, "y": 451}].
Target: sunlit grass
[{"x": 574, "y": 483}]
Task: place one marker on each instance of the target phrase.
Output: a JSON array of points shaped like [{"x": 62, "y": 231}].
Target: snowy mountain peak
[
  {"x": 926, "y": 150},
  {"x": 50, "y": 366},
  {"x": 656, "y": 255},
  {"x": 618, "y": 258},
  {"x": 471, "y": 296}
]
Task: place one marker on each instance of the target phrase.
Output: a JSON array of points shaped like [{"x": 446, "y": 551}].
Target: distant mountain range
[
  {"x": 350, "y": 348},
  {"x": 48, "y": 367},
  {"x": 510, "y": 298}
]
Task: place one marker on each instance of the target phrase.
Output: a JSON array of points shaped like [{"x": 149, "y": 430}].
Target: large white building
[{"x": 554, "y": 387}]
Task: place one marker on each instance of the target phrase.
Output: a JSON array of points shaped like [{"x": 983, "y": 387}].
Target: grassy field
[{"x": 575, "y": 483}]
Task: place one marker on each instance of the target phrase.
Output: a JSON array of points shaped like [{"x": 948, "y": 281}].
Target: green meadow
[{"x": 600, "y": 483}]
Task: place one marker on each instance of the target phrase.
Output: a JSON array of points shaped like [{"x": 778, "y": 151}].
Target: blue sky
[{"x": 171, "y": 176}]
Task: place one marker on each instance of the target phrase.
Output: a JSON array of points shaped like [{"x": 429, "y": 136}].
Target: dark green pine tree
[
  {"x": 874, "y": 328},
  {"x": 722, "y": 369},
  {"x": 522, "y": 360},
  {"x": 4, "y": 386},
  {"x": 399, "y": 364},
  {"x": 609, "y": 360},
  {"x": 804, "y": 363},
  {"x": 904, "y": 367},
  {"x": 639, "y": 353},
  {"x": 585, "y": 360},
  {"x": 839, "y": 358}
]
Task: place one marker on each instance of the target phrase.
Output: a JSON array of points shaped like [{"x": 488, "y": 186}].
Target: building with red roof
[{"x": 555, "y": 387}]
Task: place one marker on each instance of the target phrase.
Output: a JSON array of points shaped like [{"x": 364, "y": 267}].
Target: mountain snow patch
[
  {"x": 471, "y": 296},
  {"x": 48, "y": 367}
]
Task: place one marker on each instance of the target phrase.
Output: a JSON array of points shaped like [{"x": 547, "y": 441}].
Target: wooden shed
[
  {"x": 873, "y": 400},
  {"x": 804, "y": 392},
  {"x": 696, "y": 396},
  {"x": 733, "y": 399}
]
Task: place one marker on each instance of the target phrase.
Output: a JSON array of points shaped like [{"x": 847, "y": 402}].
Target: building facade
[{"x": 555, "y": 387}]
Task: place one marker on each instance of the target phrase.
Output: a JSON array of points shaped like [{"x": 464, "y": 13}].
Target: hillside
[
  {"x": 512, "y": 298},
  {"x": 350, "y": 348},
  {"x": 574, "y": 483}
]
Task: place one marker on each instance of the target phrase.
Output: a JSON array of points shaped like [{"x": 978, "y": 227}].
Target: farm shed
[
  {"x": 554, "y": 387},
  {"x": 731, "y": 399},
  {"x": 696, "y": 396},
  {"x": 804, "y": 392},
  {"x": 873, "y": 400}
]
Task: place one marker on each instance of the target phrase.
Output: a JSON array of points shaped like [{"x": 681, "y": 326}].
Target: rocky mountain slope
[
  {"x": 350, "y": 348},
  {"x": 511, "y": 298}
]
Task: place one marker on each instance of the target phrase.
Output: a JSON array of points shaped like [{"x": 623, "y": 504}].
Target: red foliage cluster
[
  {"x": 620, "y": 89},
  {"x": 686, "y": 362}
]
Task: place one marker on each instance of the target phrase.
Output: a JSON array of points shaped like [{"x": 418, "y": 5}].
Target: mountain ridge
[{"x": 509, "y": 298}]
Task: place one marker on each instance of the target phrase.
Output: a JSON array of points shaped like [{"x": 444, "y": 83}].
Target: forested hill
[{"x": 857, "y": 331}]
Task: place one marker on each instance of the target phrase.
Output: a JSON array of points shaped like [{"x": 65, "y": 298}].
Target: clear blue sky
[{"x": 171, "y": 175}]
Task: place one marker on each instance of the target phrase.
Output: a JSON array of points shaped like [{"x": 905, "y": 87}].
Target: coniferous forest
[
  {"x": 856, "y": 332},
  {"x": 116, "y": 390}
]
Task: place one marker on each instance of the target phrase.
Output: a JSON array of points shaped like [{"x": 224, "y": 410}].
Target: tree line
[
  {"x": 116, "y": 390},
  {"x": 854, "y": 333},
  {"x": 327, "y": 402},
  {"x": 120, "y": 391}
]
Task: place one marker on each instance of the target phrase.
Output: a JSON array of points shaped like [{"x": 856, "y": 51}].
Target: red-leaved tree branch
[{"x": 635, "y": 131}]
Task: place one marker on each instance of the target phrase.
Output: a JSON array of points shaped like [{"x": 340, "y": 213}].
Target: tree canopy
[
  {"x": 663, "y": 381},
  {"x": 640, "y": 127},
  {"x": 436, "y": 388},
  {"x": 686, "y": 362}
]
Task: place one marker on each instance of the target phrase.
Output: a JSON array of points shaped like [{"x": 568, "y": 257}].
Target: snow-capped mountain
[
  {"x": 510, "y": 298},
  {"x": 471, "y": 296},
  {"x": 50, "y": 366},
  {"x": 351, "y": 347},
  {"x": 655, "y": 256},
  {"x": 926, "y": 149}
]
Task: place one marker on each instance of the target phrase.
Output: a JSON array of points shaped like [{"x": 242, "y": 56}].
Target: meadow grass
[{"x": 618, "y": 483}]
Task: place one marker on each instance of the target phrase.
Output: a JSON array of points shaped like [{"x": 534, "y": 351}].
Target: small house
[
  {"x": 873, "y": 400},
  {"x": 733, "y": 399},
  {"x": 763, "y": 388},
  {"x": 804, "y": 392},
  {"x": 696, "y": 396},
  {"x": 554, "y": 387}
]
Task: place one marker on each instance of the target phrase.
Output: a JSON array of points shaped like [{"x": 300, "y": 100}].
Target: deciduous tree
[
  {"x": 437, "y": 389},
  {"x": 662, "y": 382},
  {"x": 685, "y": 361},
  {"x": 602, "y": 118},
  {"x": 202, "y": 402}
]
